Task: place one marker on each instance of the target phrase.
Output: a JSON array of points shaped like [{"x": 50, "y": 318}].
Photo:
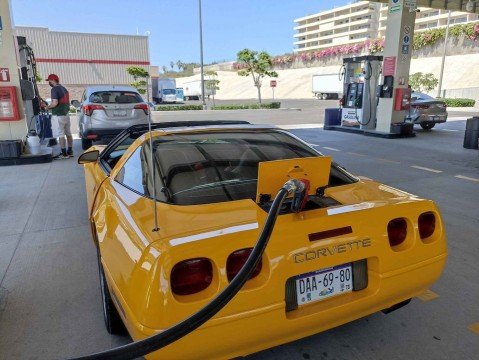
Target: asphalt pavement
[{"x": 50, "y": 306}]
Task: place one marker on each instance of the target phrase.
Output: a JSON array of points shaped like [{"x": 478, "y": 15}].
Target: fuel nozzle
[{"x": 300, "y": 190}]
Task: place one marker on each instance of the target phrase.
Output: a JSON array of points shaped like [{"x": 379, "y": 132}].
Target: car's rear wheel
[
  {"x": 114, "y": 324},
  {"x": 427, "y": 126},
  {"x": 86, "y": 143},
  {"x": 324, "y": 97}
]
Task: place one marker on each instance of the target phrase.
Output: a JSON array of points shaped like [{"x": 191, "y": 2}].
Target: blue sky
[{"x": 228, "y": 26}]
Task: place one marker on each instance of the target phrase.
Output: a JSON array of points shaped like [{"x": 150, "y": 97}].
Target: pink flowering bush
[{"x": 421, "y": 39}]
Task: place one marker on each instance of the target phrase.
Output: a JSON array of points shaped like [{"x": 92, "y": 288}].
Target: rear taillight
[
  {"x": 236, "y": 261},
  {"x": 427, "y": 224},
  {"x": 421, "y": 107},
  {"x": 143, "y": 107},
  {"x": 397, "y": 231},
  {"x": 88, "y": 109},
  {"x": 191, "y": 276}
]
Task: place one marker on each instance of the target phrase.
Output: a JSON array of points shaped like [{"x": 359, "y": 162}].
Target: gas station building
[{"x": 81, "y": 59}]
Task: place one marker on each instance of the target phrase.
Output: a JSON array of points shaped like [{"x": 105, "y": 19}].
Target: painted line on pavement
[
  {"x": 474, "y": 328},
  {"x": 449, "y": 130},
  {"x": 356, "y": 154},
  {"x": 387, "y": 160},
  {"x": 466, "y": 178},
  {"x": 427, "y": 295},
  {"x": 330, "y": 148},
  {"x": 313, "y": 144},
  {"x": 426, "y": 169},
  {"x": 300, "y": 126}
]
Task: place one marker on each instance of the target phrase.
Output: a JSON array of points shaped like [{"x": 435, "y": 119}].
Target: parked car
[
  {"x": 427, "y": 111},
  {"x": 355, "y": 247},
  {"x": 107, "y": 110}
]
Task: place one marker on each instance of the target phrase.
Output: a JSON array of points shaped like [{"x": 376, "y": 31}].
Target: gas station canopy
[{"x": 454, "y": 5}]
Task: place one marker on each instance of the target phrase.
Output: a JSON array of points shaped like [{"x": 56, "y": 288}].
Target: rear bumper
[
  {"x": 431, "y": 118},
  {"x": 98, "y": 134},
  {"x": 252, "y": 331}
]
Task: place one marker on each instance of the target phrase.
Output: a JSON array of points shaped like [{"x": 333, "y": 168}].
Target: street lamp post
[
  {"x": 441, "y": 73},
  {"x": 201, "y": 59}
]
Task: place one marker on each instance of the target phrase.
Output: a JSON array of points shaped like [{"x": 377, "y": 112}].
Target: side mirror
[
  {"x": 75, "y": 103},
  {"x": 89, "y": 157}
]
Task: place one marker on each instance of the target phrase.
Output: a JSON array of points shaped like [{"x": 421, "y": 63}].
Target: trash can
[
  {"x": 471, "y": 135},
  {"x": 332, "y": 116}
]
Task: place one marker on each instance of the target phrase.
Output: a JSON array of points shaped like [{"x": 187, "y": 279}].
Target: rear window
[
  {"x": 421, "y": 96},
  {"x": 217, "y": 167},
  {"x": 115, "y": 97}
]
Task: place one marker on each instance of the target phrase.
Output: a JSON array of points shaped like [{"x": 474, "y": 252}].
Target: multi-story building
[
  {"x": 359, "y": 21},
  {"x": 348, "y": 24},
  {"x": 428, "y": 18}
]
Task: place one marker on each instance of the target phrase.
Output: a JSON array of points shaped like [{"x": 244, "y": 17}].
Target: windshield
[
  {"x": 115, "y": 97},
  {"x": 169, "y": 92},
  {"x": 216, "y": 167}
]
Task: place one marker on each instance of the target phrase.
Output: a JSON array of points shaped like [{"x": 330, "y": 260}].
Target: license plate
[
  {"x": 324, "y": 283},
  {"x": 119, "y": 112}
]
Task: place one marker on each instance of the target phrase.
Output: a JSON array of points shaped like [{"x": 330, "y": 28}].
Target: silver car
[
  {"x": 104, "y": 111},
  {"x": 427, "y": 111}
]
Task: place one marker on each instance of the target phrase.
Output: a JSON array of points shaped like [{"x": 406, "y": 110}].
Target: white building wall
[{"x": 84, "y": 58}]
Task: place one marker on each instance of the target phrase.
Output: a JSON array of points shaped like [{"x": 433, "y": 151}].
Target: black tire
[
  {"x": 427, "y": 126},
  {"x": 325, "y": 97},
  {"x": 113, "y": 323},
  {"x": 86, "y": 143}
]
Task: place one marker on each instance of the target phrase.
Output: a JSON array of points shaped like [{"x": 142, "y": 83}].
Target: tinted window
[
  {"x": 216, "y": 167},
  {"x": 134, "y": 173},
  {"x": 115, "y": 97}
]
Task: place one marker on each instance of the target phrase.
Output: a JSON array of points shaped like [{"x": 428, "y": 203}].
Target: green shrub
[
  {"x": 273, "y": 105},
  {"x": 178, "y": 107},
  {"x": 459, "y": 102}
]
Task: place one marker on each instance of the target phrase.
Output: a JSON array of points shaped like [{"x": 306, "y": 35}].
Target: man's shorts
[{"x": 61, "y": 125}]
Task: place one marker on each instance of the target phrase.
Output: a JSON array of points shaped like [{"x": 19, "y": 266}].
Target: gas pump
[
  {"x": 28, "y": 83},
  {"x": 360, "y": 79}
]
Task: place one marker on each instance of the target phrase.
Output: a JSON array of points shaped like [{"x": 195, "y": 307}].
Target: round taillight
[
  {"x": 191, "y": 276},
  {"x": 397, "y": 231},
  {"x": 236, "y": 261},
  {"x": 427, "y": 224}
]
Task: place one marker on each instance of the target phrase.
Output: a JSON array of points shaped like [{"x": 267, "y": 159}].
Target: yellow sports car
[{"x": 340, "y": 248}]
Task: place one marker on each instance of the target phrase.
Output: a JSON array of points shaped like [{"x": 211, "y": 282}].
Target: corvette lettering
[{"x": 330, "y": 250}]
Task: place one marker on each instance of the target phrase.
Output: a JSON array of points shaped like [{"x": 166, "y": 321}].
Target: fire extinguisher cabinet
[{"x": 9, "y": 104}]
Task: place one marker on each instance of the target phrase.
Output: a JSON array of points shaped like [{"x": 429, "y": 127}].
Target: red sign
[
  {"x": 4, "y": 75},
  {"x": 272, "y": 83},
  {"x": 389, "y": 66}
]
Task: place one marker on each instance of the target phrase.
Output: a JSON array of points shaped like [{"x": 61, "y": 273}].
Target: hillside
[{"x": 460, "y": 72}]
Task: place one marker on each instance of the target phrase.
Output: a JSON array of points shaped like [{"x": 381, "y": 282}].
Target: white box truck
[
  {"x": 327, "y": 86},
  {"x": 192, "y": 90},
  {"x": 164, "y": 90}
]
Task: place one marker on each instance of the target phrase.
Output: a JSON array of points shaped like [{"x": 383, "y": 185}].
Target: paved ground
[{"x": 49, "y": 293}]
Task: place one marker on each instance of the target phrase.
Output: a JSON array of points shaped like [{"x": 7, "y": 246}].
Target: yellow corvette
[{"x": 347, "y": 249}]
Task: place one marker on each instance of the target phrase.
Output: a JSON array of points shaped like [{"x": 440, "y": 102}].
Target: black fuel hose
[{"x": 183, "y": 328}]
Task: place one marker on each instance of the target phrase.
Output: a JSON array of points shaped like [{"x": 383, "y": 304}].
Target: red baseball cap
[{"x": 53, "y": 77}]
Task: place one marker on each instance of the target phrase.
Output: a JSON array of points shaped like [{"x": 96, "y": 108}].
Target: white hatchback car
[{"x": 104, "y": 111}]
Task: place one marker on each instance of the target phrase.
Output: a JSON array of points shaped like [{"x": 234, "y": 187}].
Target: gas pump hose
[{"x": 183, "y": 328}]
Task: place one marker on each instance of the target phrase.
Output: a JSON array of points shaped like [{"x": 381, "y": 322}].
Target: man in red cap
[{"x": 60, "y": 107}]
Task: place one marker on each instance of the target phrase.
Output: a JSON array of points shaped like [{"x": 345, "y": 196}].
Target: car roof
[
  {"x": 206, "y": 128},
  {"x": 97, "y": 88}
]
